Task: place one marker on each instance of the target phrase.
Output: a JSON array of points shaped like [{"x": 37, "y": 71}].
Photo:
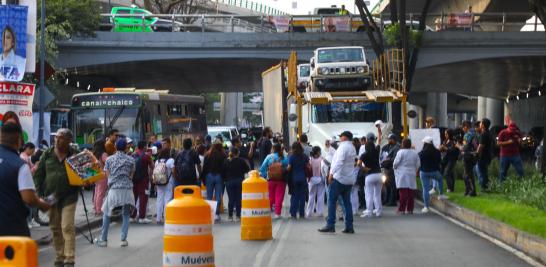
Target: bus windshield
[
  {"x": 340, "y": 55},
  {"x": 349, "y": 112},
  {"x": 90, "y": 123}
]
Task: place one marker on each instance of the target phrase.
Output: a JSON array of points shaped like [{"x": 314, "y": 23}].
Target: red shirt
[{"x": 511, "y": 149}]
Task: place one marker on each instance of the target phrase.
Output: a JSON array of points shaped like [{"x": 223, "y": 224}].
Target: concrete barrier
[{"x": 533, "y": 246}]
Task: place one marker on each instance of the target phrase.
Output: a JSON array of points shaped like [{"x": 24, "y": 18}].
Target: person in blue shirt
[
  {"x": 297, "y": 163},
  {"x": 276, "y": 180}
]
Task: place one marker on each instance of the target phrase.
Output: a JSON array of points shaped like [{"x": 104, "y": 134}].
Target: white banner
[
  {"x": 336, "y": 24},
  {"x": 16, "y": 101},
  {"x": 282, "y": 23},
  {"x": 417, "y": 135}
]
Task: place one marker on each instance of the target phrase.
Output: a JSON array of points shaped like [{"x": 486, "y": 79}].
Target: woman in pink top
[
  {"x": 316, "y": 185},
  {"x": 99, "y": 150},
  {"x": 28, "y": 151}
]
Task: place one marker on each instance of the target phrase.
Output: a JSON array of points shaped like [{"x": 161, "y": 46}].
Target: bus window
[{"x": 89, "y": 125}]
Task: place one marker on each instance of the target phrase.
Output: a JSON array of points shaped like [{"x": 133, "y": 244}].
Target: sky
[{"x": 304, "y": 7}]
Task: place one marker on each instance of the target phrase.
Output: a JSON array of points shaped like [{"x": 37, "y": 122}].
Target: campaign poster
[
  {"x": 16, "y": 98},
  {"x": 13, "y": 23},
  {"x": 282, "y": 23}
]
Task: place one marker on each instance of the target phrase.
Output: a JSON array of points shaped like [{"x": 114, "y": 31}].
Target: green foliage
[
  {"x": 530, "y": 190},
  {"x": 64, "y": 19},
  {"x": 392, "y": 36}
]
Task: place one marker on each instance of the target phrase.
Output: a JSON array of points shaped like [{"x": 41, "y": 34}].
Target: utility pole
[{"x": 42, "y": 73}]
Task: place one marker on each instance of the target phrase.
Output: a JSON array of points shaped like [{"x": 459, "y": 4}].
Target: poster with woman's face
[{"x": 13, "y": 23}]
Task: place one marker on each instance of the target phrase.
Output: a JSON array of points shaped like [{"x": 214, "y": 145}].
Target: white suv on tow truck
[{"x": 339, "y": 69}]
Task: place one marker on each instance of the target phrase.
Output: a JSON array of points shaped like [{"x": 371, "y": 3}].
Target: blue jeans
[
  {"x": 505, "y": 164},
  {"x": 215, "y": 186},
  {"x": 297, "y": 201},
  {"x": 338, "y": 189},
  {"x": 234, "y": 189},
  {"x": 426, "y": 178},
  {"x": 124, "y": 224},
  {"x": 481, "y": 171}
]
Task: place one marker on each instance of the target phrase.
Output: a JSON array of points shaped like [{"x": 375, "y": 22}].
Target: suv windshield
[
  {"x": 340, "y": 55},
  {"x": 224, "y": 134},
  {"x": 304, "y": 71},
  {"x": 349, "y": 112}
]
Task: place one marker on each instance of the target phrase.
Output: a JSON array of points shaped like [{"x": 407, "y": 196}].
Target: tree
[
  {"x": 65, "y": 19},
  {"x": 539, "y": 7},
  {"x": 174, "y": 7}
]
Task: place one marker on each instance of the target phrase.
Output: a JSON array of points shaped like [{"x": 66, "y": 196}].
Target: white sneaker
[
  {"x": 217, "y": 218},
  {"x": 442, "y": 197},
  {"x": 230, "y": 219},
  {"x": 124, "y": 243},
  {"x": 378, "y": 214},
  {"x": 432, "y": 191},
  {"x": 101, "y": 243},
  {"x": 144, "y": 221},
  {"x": 425, "y": 210},
  {"x": 275, "y": 216},
  {"x": 366, "y": 214},
  {"x": 133, "y": 220}
]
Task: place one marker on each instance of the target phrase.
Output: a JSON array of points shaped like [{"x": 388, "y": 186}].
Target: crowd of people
[{"x": 348, "y": 175}]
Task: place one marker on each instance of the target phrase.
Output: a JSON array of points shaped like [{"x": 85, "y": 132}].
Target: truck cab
[{"x": 339, "y": 69}]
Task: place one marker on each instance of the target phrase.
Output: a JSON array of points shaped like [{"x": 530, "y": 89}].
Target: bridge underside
[{"x": 496, "y": 78}]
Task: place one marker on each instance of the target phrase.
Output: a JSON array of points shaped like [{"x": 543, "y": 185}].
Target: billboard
[
  {"x": 17, "y": 98},
  {"x": 13, "y": 24}
]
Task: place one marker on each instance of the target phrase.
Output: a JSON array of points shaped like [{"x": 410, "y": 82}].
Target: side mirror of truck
[{"x": 312, "y": 62}]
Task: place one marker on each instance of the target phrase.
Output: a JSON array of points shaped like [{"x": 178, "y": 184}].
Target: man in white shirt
[{"x": 341, "y": 180}]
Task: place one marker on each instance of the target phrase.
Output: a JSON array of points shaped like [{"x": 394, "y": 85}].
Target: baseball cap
[
  {"x": 392, "y": 136},
  {"x": 129, "y": 140},
  {"x": 378, "y": 122},
  {"x": 427, "y": 140},
  {"x": 347, "y": 134},
  {"x": 121, "y": 144},
  {"x": 370, "y": 136}
]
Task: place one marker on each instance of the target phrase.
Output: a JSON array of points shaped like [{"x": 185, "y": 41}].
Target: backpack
[
  {"x": 159, "y": 176},
  {"x": 140, "y": 169},
  {"x": 184, "y": 169},
  {"x": 274, "y": 171}
]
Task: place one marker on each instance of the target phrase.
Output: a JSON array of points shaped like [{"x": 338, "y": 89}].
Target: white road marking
[
  {"x": 265, "y": 248},
  {"x": 280, "y": 245},
  {"x": 491, "y": 239}
]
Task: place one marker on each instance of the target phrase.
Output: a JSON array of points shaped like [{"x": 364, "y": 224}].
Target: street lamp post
[{"x": 42, "y": 73}]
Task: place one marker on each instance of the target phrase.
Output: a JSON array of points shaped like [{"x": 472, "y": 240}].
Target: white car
[
  {"x": 340, "y": 68},
  {"x": 226, "y": 132}
]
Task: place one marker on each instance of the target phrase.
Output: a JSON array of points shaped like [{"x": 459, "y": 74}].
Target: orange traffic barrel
[
  {"x": 255, "y": 210},
  {"x": 187, "y": 239},
  {"x": 18, "y": 251}
]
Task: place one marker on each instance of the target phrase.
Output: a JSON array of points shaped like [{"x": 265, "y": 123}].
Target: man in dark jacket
[
  {"x": 16, "y": 185},
  {"x": 388, "y": 153}
]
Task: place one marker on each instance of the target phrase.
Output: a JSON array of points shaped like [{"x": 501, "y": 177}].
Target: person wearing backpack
[
  {"x": 162, "y": 178},
  {"x": 185, "y": 165},
  {"x": 212, "y": 171},
  {"x": 274, "y": 168},
  {"x": 141, "y": 181},
  {"x": 234, "y": 172}
]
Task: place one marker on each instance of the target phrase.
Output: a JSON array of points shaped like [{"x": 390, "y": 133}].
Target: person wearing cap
[
  {"x": 509, "y": 142},
  {"x": 373, "y": 181},
  {"x": 388, "y": 153},
  {"x": 119, "y": 168},
  {"x": 51, "y": 179},
  {"x": 341, "y": 180},
  {"x": 130, "y": 146},
  {"x": 431, "y": 160}
]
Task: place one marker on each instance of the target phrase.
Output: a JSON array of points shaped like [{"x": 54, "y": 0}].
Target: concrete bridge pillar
[
  {"x": 492, "y": 109},
  {"x": 231, "y": 108},
  {"x": 415, "y": 123},
  {"x": 437, "y": 108}
]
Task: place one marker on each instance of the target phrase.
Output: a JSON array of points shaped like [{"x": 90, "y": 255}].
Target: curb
[{"x": 531, "y": 245}]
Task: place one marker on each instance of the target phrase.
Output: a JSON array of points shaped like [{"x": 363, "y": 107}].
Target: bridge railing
[{"x": 496, "y": 22}]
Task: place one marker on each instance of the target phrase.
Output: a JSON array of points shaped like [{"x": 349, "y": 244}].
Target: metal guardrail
[{"x": 495, "y": 22}]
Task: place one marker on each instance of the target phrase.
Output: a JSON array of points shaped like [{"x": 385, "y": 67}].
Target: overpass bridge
[{"x": 493, "y": 64}]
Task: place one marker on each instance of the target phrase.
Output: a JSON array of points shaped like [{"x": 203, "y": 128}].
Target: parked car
[{"x": 226, "y": 132}]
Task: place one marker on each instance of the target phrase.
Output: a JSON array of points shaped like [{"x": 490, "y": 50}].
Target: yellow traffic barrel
[
  {"x": 18, "y": 251},
  {"x": 255, "y": 210},
  {"x": 187, "y": 239}
]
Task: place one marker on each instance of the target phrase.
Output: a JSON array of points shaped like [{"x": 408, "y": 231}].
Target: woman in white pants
[
  {"x": 316, "y": 185},
  {"x": 164, "y": 191},
  {"x": 373, "y": 181}
]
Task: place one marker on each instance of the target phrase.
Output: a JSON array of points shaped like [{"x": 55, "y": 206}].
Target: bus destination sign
[{"x": 106, "y": 101}]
